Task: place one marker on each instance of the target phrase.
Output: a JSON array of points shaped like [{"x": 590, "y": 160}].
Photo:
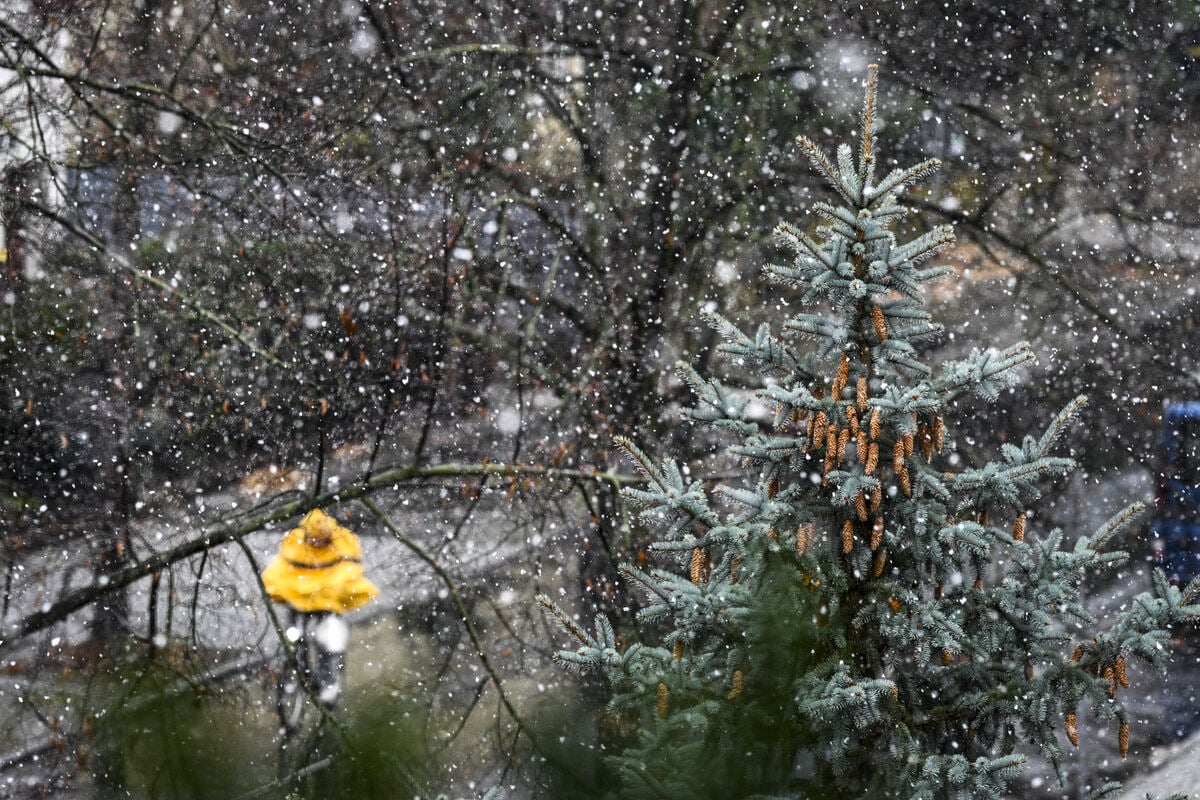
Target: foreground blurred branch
[{"x": 224, "y": 531}]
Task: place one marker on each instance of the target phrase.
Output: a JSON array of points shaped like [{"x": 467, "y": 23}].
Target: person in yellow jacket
[
  {"x": 318, "y": 573},
  {"x": 319, "y": 568}
]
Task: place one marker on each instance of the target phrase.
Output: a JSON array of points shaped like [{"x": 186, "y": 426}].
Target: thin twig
[
  {"x": 472, "y": 632},
  {"x": 303, "y": 772}
]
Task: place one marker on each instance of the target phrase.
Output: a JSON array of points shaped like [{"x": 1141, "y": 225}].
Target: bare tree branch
[{"x": 223, "y": 532}]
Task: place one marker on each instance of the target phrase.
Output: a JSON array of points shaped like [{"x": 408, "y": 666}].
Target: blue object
[{"x": 1175, "y": 529}]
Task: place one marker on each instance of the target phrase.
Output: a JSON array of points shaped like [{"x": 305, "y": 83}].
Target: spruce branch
[
  {"x": 715, "y": 405},
  {"x": 921, "y": 248},
  {"x": 984, "y": 372},
  {"x": 899, "y": 178},
  {"x": 565, "y": 621},
  {"x": 799, "y": 243},
  {"x": 641, "y": 460},
  {"x": 849, "y": 174},
  {"x": 844, "y": 220},
  {"x": 824, "y": 167},
  {"x": 764, "y": 352},
  {"x": 816, "y": 327},
  {"x": 1114, "y": 525},
  {"x": 1058, "y": 426},
  {"x": 1106, "y": 791}
]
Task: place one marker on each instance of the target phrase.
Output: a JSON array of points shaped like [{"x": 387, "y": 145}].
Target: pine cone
[
  {"x": 699, "y": 566},
  {"x": 880, "y": 323},
  {"x": 1072, "y": 729},
  {"x": 877, "y": 533},
  {"x": 1119, "y": 670},
  {"x": 872, "y": 458},
  {"x": 804, "y": 537},
  {"x": 739, "y": 683},
  {"x": 818, "y": 431},
  {"x": 843, "y": 375},
  {"x": 925, "y": 439},
  {"x": 878, "y": 563}
]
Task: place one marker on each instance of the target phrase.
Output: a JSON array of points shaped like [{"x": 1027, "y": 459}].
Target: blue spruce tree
[{"x": 856, "y": 617}]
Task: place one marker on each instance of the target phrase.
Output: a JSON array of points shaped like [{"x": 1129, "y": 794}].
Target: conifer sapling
[{"x": 858, "y": 616}]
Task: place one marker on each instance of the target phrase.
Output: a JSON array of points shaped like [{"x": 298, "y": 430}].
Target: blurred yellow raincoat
[{"x": 319, "y": 568}]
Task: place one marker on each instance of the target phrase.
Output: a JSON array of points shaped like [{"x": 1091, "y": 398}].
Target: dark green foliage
[
  {"x": 378, "y": 750},
  {"x": 160, "y": 740},
  {"x": 861, "y": 615},
  {"x": 160, "y": 736}
]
